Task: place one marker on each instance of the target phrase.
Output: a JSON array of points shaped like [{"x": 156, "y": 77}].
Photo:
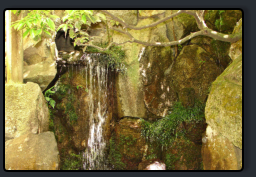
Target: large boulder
[
  {"x": 194, "y": 68},
  {"x": 223, "y": 111},
  {"x": 182, "y": 154},
  {"x": 41, "y": 73},
  {"x": 32, "y": 152},
  {"x": 130, "y": 87},
  {"x": 36, "y": 53},
  {"x": 219, "y": 153},
  {"x": 26, "y": 110},
  {"x": 159, "y": 96},
  {"x": 129, "y": 143}
]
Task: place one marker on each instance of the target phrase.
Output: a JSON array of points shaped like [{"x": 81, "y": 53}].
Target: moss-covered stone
[
  {"x": 131, "y": 145},
  {"x": 224, "y": 106},
  {"x": 182, "y": 155},
  {"x": 194, "y": 68}
]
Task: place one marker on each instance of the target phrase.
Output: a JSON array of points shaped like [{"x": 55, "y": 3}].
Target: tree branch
[
  {"x": 199, "y": 17},
  {"x": 143, "y": 27}
]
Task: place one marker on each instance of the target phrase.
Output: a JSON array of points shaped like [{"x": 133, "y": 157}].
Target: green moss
[
  {"x": 73, "y": 161},
  {"x": 115, "y": 156},
  {"x": 164, "y": 131},
  {"x": 114, "y": 55}
]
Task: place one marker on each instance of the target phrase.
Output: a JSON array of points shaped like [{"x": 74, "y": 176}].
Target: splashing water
[{"x": 94, "y": 154}]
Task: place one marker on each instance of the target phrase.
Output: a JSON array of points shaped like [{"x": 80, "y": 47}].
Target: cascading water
[{"x": 97, "y": 89}]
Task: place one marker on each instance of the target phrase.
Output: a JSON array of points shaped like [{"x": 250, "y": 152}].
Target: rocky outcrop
[
  {"x": 194, "y": 68},
  {"x": 219, "y": 153},
  {"x": 182, "y": 155},
  {"x": 26, "y": 110},
  {"x": 41, "y": 73},
  {"x": 129, "y": 143},
  {"x": 223, "y": 113},
  {"x": 32, "y": 152}
]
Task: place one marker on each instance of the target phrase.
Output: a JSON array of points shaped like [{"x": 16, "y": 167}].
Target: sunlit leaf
[
  {"x": 93, "y": 20},
  {"x": 102, "y": 16},
  {"x": 20, "y": 26},
  {"x": 47, "y": 32},
  {"x": 78, "y": 25},
  {"x": 84, "y": 18},
  {"x": 71, "y": 33},
  {"x": 50, "y": 23},
  {"x": 61, "y": 26},
  {"x": 29, "y": 24},
  {"x": 26, "y": 33}
]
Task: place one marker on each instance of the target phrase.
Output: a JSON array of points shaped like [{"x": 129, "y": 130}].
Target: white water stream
[{"x": 94, "y": 153}]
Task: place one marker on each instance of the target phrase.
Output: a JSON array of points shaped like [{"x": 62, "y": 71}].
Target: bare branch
[
  {"x": 143, "y": 27},
  {"x": 199, "y": 17}
]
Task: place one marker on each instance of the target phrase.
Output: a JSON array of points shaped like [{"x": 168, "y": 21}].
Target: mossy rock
[
  {"x": 182, "y": 155},
  {"x": 223, "y": 110},
  {"x": 194, "y": 68}
]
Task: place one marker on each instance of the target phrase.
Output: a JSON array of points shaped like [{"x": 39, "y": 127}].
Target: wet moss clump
[{"x": 164, "y": 131}]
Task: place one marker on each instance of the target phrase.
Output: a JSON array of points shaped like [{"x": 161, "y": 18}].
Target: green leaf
[
  {"x": 221, "y": 11},
  {"x": 47, "y": 98},
  {"x": 61, "y": 26},
  {"x": 32, "y": 33},
  {"x": 93, "y": 20},
  {"x": 26, "y": 33},
  {"x": 47, "y": 32},
  {"x": 71, "y": 33},
  {"x": 20, "y": 26},
  {"x": 78, "y": 25},
  {"x": 28, "y": 24},
  {"x": 52, "y": 103},
  {"x": 65, "y": 18},
  {"x": 38, "y": 32},
  {"x": 54, "y": 16},
  {"x": 102, "y": 16},
  {"x": 14, "y": 11},
  {"x": 84, "y": 18},
  {"x": 51, "y": 24}
]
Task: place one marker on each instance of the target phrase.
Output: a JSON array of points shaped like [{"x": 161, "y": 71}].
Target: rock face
[
  {"x": 182, "y": 155},
  {"x": 32, "y": 152},
  {"x": 26, "y": 110},
  {"x": 194, "y": 68},
  {"x": 41, "y": 73},
  {"x": 224, "y": 106},
  {"x": 129, "y": 144},
  {"x": 236, "y": 48},
  {"x": 223, "y": 115},
  {"x": 219, "y": 153}
]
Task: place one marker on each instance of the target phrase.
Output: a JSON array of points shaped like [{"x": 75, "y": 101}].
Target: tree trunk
[{"x": 14, "y": 50}]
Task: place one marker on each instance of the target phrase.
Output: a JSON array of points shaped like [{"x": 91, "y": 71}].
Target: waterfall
[{"x": 97, "y": 91}]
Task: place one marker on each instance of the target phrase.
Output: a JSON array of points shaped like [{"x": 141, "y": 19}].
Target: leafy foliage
[
  {"x": 114, "y": 56},
  {"x": 115, "y": 157},
  {"x": 36, "y": 23},
  {"x": 164, "y": 131},
  {"x": 47, "y": 95}
]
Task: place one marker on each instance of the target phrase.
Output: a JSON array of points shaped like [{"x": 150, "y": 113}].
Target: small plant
[
  {"x": 47, "y": 95},
  {"x": 115, "y": 157},
  {"x": 79, "y": 86},
  {"x": 73, "y": 162},
  {"x": 179, "y": 47},
  {"x": 163, "y": 131}
]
